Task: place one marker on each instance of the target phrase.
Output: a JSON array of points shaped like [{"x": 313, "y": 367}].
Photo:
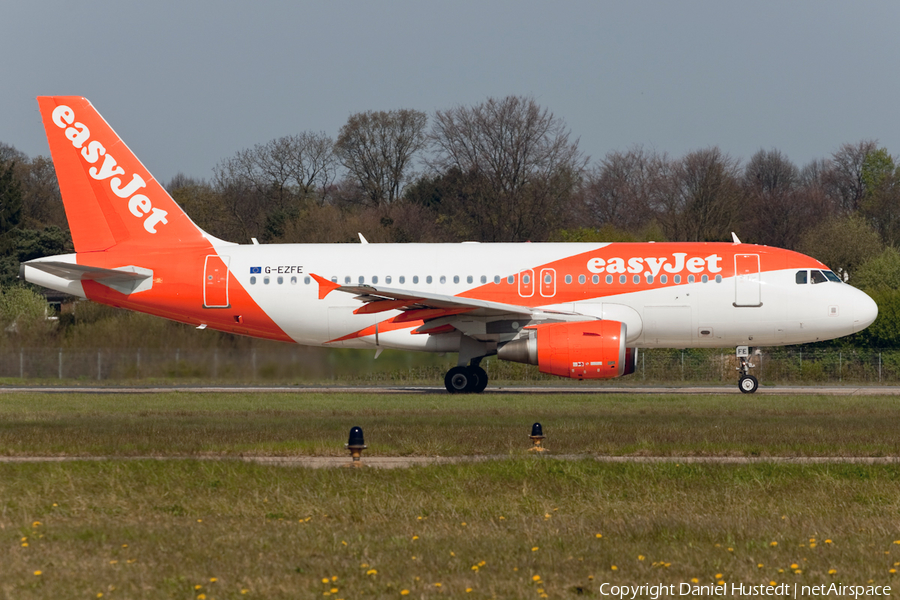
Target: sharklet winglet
[{"x": 325, "y": 286}]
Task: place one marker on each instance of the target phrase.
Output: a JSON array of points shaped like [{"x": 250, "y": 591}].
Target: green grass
[
  {"x": 297, "y": 424},
  {"x": 153, "y": 529},
  {"x": 157, "y": 529}
]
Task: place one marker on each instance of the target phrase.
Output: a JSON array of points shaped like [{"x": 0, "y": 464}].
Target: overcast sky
[{"x": 187, "y": 84}]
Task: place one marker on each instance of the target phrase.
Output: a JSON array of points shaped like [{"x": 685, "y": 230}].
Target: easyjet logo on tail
[{"x": 139, "y": 205}]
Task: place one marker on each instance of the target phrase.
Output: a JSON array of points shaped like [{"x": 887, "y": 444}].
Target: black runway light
[
  {"x": 356, "y": 444},
  {"x": 537, "y": 435}
]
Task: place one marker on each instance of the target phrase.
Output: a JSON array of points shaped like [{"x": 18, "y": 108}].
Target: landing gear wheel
[
  {"x": 748, "y": 384},
  {"x": 481, "y": 379},
  {"x": 460, "y": 380}
]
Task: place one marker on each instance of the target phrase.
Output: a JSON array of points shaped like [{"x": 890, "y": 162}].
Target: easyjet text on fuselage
[{"x": 652, "y": 265}]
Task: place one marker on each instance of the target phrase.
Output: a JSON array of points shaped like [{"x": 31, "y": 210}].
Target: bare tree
[
  {"x": 283, "y": 170},
  {"x": 262, "y": 187},
  {"x": 702, "y": 199},
  {"x": 378, "y": 147},
  {"x": 515, "y": 167},
  {"x": 774, "y": 215},
  {"x": 623, "y": 190}
]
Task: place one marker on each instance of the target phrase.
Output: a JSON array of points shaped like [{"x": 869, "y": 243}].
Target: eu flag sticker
[{"x": 255, "y": 270}]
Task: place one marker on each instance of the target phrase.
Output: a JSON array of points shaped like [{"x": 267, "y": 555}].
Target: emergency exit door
[{"x": 215, "y": 281}]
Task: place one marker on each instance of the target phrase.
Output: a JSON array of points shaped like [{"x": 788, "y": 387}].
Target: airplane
[{"x": 576, "y": 310}]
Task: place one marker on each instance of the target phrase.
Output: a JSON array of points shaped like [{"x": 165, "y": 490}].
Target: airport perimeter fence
[{"x": 309, "y": 365}]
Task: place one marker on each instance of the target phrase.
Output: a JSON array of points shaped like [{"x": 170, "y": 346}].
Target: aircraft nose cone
[{"x": 864, "y": 311}]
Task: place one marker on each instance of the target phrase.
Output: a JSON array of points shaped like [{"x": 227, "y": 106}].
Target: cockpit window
[
  {"x": 832, "y": 276},
  {"x": 801, "y": 277},
  {"x": 818, "y": 277}
]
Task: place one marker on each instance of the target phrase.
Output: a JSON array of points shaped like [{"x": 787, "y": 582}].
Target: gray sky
[{"x": 187, "y": 84}]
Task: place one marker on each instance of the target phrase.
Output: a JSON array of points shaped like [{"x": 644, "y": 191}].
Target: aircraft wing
[
  {"x": 379, "y": 299},
  {"x": 442, "y": 313}
]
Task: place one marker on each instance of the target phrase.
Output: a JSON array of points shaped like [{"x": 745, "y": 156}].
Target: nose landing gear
[{"x": 747, "y": 383}]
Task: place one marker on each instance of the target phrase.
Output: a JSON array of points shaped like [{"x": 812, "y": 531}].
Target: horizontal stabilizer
[{"x": 125, "y": 280}]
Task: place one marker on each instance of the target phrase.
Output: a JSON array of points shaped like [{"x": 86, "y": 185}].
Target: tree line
[{"x": 506, "y": 170}]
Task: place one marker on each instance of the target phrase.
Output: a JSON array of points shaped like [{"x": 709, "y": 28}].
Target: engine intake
[{"x": 580, "y": 350}]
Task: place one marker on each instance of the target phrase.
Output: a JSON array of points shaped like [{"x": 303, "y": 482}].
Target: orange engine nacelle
[{"x": 580, "y": 350}]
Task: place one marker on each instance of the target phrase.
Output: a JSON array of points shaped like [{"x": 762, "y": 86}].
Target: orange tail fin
[{"x": 110, "y": 197}]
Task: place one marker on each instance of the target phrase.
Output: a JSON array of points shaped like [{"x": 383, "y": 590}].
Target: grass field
[{"x": 521, "y": 527}]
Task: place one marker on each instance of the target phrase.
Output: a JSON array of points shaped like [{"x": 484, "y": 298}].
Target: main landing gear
[
  {"x": 747, "y": 383},
  {"x": 466, "y": 380}
]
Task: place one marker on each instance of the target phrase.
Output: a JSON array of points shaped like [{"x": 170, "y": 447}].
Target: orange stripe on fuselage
[{"x": 771, "y": 259}]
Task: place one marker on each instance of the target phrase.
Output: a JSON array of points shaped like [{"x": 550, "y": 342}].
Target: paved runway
[{"x": 848, "y": 390}]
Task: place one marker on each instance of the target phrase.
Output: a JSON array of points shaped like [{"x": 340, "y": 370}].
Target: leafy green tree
[
  {"x": 842, "y": 243},
  {"x": 880, "y": 278},
  {"x": 881, "y": 201},
  {"x": 24, "y": 316},
  {"x": 27, "y": 244},
  {"x": 879, "y": 272},
  {"x": 10, "y": 205}
]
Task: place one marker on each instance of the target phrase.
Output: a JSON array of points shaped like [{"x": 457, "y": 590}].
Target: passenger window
[
  {"x": 818, "y": 277},
  {"x": 663, "y": 279},
  {"x": 347, "y": 279},
  {"x": 362, "y": 279},
  {"x": 334, "y": 279},
  {"x": 568, "y": 279},
  {"x": 415, "y": 279},
  {"x": 375, "y": 279},
  {"x": 511, "y": 279},
  {"x": 497, "y": 279},
  {"x": 470, "y": 280},
  {"x": 677, "y": 279},
  {"x": 443, "y": 279},
  {"x": 649, "y": 278},
  {"x": 800, "y": 277},
  {"x": 484, "y": 279},
  {"x": 253, "y": 281},
  {"x": 280, "y": 280},
  {"x": 636, "y": 279},
  {"x": 691, "y": 279},
  {"x": 306, "y": 280},
  {"x": 456, "y": 279},
  {"x": 266, "y": 280},
  {"x": 526, "y": 279},
  {"x": 581, "y": 279},
  {"x": 402, "y": 279},
  {"x": 428, "y": 279},
  {"x": 294, "y": 280},
  {"x": 387, "y": 279},
  {"x": 718, "y": 279},
  {"x": 608, "y": 279},
  {"x": 705, "y": 279},
  {"x": 622, "y": 279}
]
